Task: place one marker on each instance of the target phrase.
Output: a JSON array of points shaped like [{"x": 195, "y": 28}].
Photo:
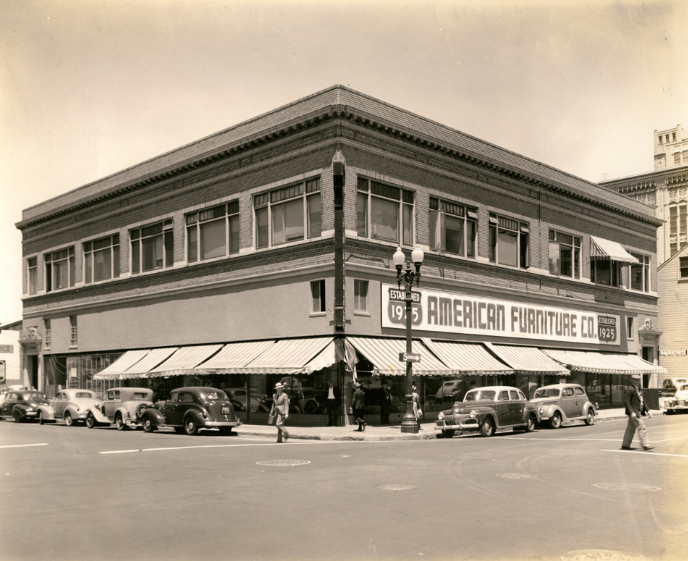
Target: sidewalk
[{"x": 381, "y": 433}]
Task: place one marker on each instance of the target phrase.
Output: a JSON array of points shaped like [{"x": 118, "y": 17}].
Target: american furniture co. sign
[{"x": 452, "y": 312}]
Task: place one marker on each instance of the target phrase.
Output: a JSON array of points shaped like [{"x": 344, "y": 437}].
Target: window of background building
[
  {"x": 152, "y": 247},
  {"x": 32, "y": 263},
  {"x": 212, "y": 232},
  {"x": 605, "y": 272},
  {"x": 74, "y": 333},
  {"x": 288, "y": 214},
  {"x": 685, "y": 157},
  {"x": 677, "y": 158},
  {"x": 564, "y": 254},
  {"x": 318, "y": 296},
  {"x": 509, "y": 243},
  {"x": 47, "y": 333},
  {"x": 678, "y": 226},
  {"x": 453, "y": 228},
  {"x": 59, "y": 269},
  {"x": 683, "y": 267},
  {"x": 640, "y": 273},
  {"x": 360, "y": 296},
  {"x": 629, "y": 328},
  {"x": 384, "y": 212},
  {"x": 101, "y": 259}
]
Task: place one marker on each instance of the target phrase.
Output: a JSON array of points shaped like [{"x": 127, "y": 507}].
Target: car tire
[
  {"x": 590, "y": 418},
  {"x": 530, "y": 423},
  {"x": 179, "y": 430},
  {"x": 487, "y": 427},
  {"x": 448, "y": 434},
  {"x": 310, "y": 407},
  {"x": 40, "y": 418},
  {"x": 17, "y": 416},
  {"x": 90, "y": 420},
  {"x": 68, "y": 419},
  {"x": 190, "y": 426},
  {"x": 555, "y": 422},
  {"x": 119, "y": 422},
  {"x": 147, "y": 424}
]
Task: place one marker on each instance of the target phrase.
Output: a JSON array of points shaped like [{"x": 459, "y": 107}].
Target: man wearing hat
[
  {"x": 280, "y": 408},
  {"x": 358, "y": 406},
  {"x": 635, "y": 407}
]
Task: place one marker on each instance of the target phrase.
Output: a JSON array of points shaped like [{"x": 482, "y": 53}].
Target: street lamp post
[{"x": 408, "y": 424}]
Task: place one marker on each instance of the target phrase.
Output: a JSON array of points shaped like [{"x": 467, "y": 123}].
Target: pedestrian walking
[
  {"x": 386, "y": 405},
  {"x": 635, "y": 407},
  {"x": 416, "y": 406},
  {"x": 280, "y": 409},
  {"x": 332, "y": 403},
  {"x": 358, "y": 406}
]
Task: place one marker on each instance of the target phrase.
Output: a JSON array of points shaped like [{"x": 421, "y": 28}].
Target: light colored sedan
[
  {"x": 69, "y": 405},
  {"x": 559, "y": 403}
]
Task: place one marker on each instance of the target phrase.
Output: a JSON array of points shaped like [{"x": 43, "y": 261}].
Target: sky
[{"x": 90, "y": 87}]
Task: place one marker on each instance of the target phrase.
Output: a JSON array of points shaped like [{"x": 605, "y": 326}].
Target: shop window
[
  {"x": 288, "y": 214},
  {"x": 101, "y": 259},
  {"x": 32, "y": 263},
  {"x": 629, "y": 328},
  {"x": 74, "y": 336},
  {"x": 384, "y": 212},
  {"x": 59, "y": 269},
  {"x": 47, "y": 333},
  {"x": 360, "y": 296},
  {"x": 318, "y": 296},
  {"x": 509, "y": 242},
  {"x": 212, "y": 232},
  {"x": 640, "y": 273},
  {"x": 605, "y": 272},
  {"x": 683, "y": 267},
  {"x": 453, "y": 228},
  {"x": 152, "y": 247},
  {"x": 564, "y": 254}
]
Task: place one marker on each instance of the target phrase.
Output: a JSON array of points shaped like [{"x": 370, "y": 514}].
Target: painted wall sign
[
  {"x": 6, "y": 349},
  {"x": 452, "y": 312},
  {"x": 680, "y": 352}
]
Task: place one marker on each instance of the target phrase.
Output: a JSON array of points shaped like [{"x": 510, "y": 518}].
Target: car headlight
[
  {"x": 440, "y": 416},
  {"x": 542, "y": 410},
  {"x": 472, "y": 414}
]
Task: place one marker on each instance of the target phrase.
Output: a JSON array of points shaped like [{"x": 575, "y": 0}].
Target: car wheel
[
  {"x": 448, "y": 433},
  {"x": 590, "y": 418},
  {"x": 119, "y": 422},
  {"x": 530, "y": 424},
  {"x": 190, "y": 427},
  {"x": 310, "y": 407},
  {"x": 147, "y": 424},
  {"x": 179, "y": 430},
  {"x": 487, "y": 428},
  {"x": 68, "y": 419},
  {"x": 40, "y": 418},
  {"x": 555, "y": 423},
  {"x": 90, "y": 420},
  {"x": 17, "y": 417}
]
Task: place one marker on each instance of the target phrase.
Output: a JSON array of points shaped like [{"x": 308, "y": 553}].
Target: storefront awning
[
  {"x": 184, "y": 361},
  {"x": 468, "y": 359},
  {"x": 286, "y": 356},
  {"x": 233, "y": 356},
  {"x": 610, "y": 251},
  {"x": 588, "y": 361},
  {"x": 641, "y": 366},
  {"x": 528, "y": 360},
  {"x": 146, "y": 364},
  {"x": 384, "y": 356},
  {"x": 127, "y": 360}
]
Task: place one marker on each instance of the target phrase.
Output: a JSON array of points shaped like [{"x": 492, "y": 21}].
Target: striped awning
[
  {"x": 184, "y": 361},
  {"x": 641, "y": 366},
  {"x": 588, "y": 361},
  {"x": 528, "y": 360},
  {"x": 286, "y": 356},
  {"x": 146, "y": 364},
  {"x": 384, "y": 356},
  {"x": 233, "y": 356},
  {"x": 325, "y": 359},
  {"x": 606, "y": 250},
  {"x": 127, "y": 360},
  {"x": 469, "y": 359}
]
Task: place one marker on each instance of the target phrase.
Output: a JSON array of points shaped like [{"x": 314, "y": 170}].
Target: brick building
[{"x": 238, "y": 260}]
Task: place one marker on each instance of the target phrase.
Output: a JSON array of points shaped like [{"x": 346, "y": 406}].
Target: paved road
[{"x": 74, "y": 493}]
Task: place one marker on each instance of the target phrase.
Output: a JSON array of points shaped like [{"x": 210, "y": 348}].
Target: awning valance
[
  {"x": 127, "y": 360},
  {"x": 589, "y": 361},
  {"x": 383, "y": 354},
  {"x": 602, "y": 249},
  {"x": 469, "y": 359},
  {"x": 528, "y": 360},
  {"x": 233, "y": 356},
  {"x": 146, "y": 364},
  {"x": 184, "y": 361},
  {"x": 286, "y": 356},
  {"x": 641, "y": 366}
]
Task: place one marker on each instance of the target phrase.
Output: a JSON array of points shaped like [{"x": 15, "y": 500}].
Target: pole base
[{"x": 409, "y": 425}]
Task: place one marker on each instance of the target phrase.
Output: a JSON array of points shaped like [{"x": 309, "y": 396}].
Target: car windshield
[
  {"x": 140, "y": 395},
  {"x": 34, "y": 395},
  {"x": 546, "y": 392},
  {"x": 479, "y": 395},
  {"x": 215, "y": 395},
  {"x": 683, "y": 388},
  {"x": 87, "y": 395}
]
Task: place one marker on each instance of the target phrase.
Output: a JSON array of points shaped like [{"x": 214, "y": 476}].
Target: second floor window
[
  {"x": 678, "y": 225},
  {"x": 74, "y": 333},
  {"x": 564, "y": 254},
  {"x": 47, "y": 333},
  {"x": 605, "y": 272},
  {"x": 101, "y": 259},
  {"x": 640, "y": 273},
  {"x": 453, "y": 228},
  {"x": 32, "y": 263},
  {"x": 152, "y": 247},
  {"x": 509, "y": 242},
  {"x": 384, "y": 212},
  {"x": 318, "y": 296},
  {"x": 360, "y": 295},
  {"x": 59, "y": 269},
  {"x": 212, "y": 232}
]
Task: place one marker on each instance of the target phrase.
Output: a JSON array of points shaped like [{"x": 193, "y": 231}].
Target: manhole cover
[
  {"x": 397, "y": 487},
  {"x": 281, "y": 463},
  {"x": 626, "y": 487},
  {"x": 517, "y": 476},
  {"x": 600, "y": 555}
]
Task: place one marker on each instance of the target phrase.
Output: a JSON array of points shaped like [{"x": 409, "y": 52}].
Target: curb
[{"x": 380, "y": 438}]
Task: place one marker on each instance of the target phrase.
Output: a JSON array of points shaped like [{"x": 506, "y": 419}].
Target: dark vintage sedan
[
  {"x": 191, "y": 409},
  {"x": 22, "y": 405},
  {"x": 488, "y": 409}
]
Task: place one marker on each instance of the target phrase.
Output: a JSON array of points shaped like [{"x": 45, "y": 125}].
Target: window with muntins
[
  {"x": 678, "y": 227},
  {"x": 288, "y": 214},
  {"x": 453, "y": 228},
  {"x": 47, "y": 333},
  {"x": 640, "y": 273},
  {"x": 101, "y": 259},
  {"x": 509, "y": 242},
  {"x": 59, "y": 269},
  {"x": 32, "y": 263},
  {"x": 384, "y": 212},
  {"x": 74, "y": 337},
  {"x": 152, "y": 247},
  {"x": 564, "y": 254},
  {"x": 360, "y": 296},
  {"x": 605, "y": 272},
  {"x": 212, "y": 232},
  {"x": 318, "y": 296}
]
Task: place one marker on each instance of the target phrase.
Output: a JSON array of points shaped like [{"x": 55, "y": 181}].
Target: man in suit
[
  {"x": 332, "y": 403},
  {"x": 386, "y": 404},
  {"x": 359, "y": 403},
  {"x": 635, "y": 407}
]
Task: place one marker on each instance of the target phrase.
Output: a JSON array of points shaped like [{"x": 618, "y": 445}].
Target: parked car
[
  {"x": 488, "y": 409},
  {"x": 22, "y": 405},
  {"x": 678, "y": 403},
  {"x": 69, "y": 405},
  {"x": 259, "y": 401},
  {"x": 448, "y": 390},
  {"x": 4, "y": 390},
  {"x": 122, "y": 406},
  {"x": 667, "y": 392},
  {"x": 191, "y": 409},
  {"x": 559, "y": 403}
]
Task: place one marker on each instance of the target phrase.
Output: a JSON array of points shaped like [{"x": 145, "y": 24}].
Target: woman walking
[
  {"x": 358, "y": 406},
  {"x": 280, "y": 409}
]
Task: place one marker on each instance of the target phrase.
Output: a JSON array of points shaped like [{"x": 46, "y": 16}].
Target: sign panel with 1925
[
  {"x": 396, "y": 309},
  {"x": 606, "y": 328}
]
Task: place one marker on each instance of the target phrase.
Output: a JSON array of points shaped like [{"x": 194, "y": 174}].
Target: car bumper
[
  {"x": 219, "y": 424},
  {"x": 31, "y": 413},
  {"x": 460, "y": 424}
]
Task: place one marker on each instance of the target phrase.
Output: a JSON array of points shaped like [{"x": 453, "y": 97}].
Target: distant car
[
  {"x": 191, "y": 409},
  {"x": 69, "y": 405},
  {"x": 122, "y": 406},
  {"x": 237, "y": 396},
  {"x": 488, "y": 409},
  {"x": 678, "y": 403},
  {"x": 559, "y": 403},
  {"x": 448, "y": 389},
  {"x": 22, "y": 405}
]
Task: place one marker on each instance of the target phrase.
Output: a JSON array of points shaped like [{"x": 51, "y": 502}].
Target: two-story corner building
[{"x": 264, "y": 252}]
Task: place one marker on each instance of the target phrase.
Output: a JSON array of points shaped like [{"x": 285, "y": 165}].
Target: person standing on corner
[
  {"x": 386, "y": 404},
  {"x": 332, "y": 403},
  {"x": 635, "y": 407},
  {"x": 358, "y": 406},
  {"x": 416, "y": 406},
  {"x": 280, "y": 408}
]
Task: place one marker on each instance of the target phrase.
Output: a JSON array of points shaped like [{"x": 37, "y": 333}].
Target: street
[{"x": 74, "y": 493}]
